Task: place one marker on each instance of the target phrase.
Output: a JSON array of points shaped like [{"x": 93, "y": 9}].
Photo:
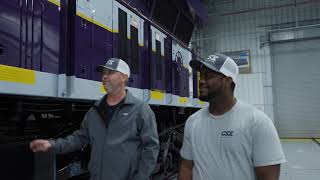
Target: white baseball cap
[
  {"x": 219, "y": 63},
  {"x": 115, "y": 64}
]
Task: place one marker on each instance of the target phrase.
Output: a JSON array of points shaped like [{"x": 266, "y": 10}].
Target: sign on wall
[{"x": 242, "y": 58}]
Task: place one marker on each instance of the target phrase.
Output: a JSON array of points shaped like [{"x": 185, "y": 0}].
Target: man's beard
[
  {"x": 109, "y": 89},
  {"x": 203, "y": 98},
  {"x": 210, "y": 96}
]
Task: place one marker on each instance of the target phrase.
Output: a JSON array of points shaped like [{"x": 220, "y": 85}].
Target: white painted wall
[{"x": 245, "y": 28}]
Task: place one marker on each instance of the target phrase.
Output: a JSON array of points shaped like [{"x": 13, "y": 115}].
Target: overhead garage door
[{"x": 297, "y": 88}]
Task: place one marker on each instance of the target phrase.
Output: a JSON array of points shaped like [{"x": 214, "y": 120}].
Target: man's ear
[
  {"x": 124, "y": 78},
  {"x": 228, "y": 81}
]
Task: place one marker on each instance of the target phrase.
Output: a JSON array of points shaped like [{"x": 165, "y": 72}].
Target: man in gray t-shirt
[{"x": 228, "y": 139}]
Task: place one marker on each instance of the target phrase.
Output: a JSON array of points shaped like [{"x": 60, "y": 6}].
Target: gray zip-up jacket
[{"x": 126, "y": 150}]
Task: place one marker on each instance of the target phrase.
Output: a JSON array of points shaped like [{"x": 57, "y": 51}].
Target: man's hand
[
  {"x": 40, "y": 145},
  {"x": 185, "y": 172}
]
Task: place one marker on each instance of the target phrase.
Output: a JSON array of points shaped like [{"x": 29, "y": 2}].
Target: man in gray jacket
[{"x": 120, "y": 129}]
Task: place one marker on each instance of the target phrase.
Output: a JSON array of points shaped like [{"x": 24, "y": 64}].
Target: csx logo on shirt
[{"x": 227, "y": 133}]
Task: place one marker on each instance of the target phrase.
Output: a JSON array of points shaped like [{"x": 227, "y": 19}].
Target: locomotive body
[{"x": 49, "y": 50}]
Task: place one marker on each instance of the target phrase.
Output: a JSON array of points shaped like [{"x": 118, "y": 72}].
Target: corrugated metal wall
[{"x": 244, "y": 25}]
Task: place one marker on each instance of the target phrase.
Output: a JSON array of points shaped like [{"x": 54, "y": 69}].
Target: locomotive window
[
  {"x": 159, "y": 67},
  {"x": 135, "y": 64},
  {"x": 184, "y": 29},
  {"x": 122, "y": 48},
  {"x": 165, "y": 12}
]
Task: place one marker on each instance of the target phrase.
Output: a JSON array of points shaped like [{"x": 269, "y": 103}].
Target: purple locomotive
[{"x": 49, "y": 50}]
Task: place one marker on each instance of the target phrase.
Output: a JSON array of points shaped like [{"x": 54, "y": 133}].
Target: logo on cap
[
  {"x": 110, "y": 61},
  {"x": 213, "y": 58}
]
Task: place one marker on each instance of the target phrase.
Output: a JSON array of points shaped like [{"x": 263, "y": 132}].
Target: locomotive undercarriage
[{"x": 28, "y": 118}]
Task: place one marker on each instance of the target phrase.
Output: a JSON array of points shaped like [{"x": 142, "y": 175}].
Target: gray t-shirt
[{"x": 229, "y": 146}]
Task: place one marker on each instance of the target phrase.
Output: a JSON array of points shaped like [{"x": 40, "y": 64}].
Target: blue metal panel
[
  {"x": 10, "y": 29},
  {"x": 30, "y": 37},
  {"x": 49, "y": 34},
  {"x": 168, "y": 64},
  {"x": 145, "y": 57},
  {"x": 184, "y": 82},
  {"x": 83, "y": 48},
  {"x": 157, "y": 67},
  {"x": 101, "y": 49},
  {"x": 135, "y": 76},
  {"x": 176, "y": 73}
]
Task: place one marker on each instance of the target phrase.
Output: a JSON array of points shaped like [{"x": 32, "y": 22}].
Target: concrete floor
[{"x": 303, "y": 158}]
